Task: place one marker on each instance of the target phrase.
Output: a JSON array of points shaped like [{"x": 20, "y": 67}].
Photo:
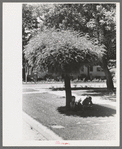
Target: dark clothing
[{"x": 87, "y": 101}]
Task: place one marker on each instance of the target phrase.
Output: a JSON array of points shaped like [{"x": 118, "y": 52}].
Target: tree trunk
[
  {"x": 67, "y": 90},
  {"x": 26, "y": 74},
  {"x": 109, "y": 81},
  {"x": 88, "y": 75},
  {"x": 23, "y": 74}
]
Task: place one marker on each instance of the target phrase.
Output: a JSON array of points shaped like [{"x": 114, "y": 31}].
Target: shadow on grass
[{"x": 94, "y": 111}]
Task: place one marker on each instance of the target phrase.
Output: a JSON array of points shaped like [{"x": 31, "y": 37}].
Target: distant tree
[
  {"x": 62, "y": 53},
  {"x": 103, "y": 28},
  {"x": 32, "y": 22},
  {"x": 29, "y": 28}
]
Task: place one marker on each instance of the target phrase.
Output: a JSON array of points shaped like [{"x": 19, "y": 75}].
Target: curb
[{"x": 46, "y": 132}]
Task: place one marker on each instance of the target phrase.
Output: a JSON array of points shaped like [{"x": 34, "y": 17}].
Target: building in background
[
  {"x": 86, "y": 73},
  {"x": 92, "y": 72}
]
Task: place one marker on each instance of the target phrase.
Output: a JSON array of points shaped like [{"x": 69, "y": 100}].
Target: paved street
[
  {"x": 61, "y": 84},
  {"x": 47, "y": 108}
]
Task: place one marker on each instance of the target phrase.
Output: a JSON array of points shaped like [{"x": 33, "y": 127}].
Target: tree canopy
[
  {"x": 62, "y": 51},
  {"x": 98, "y": 20}
]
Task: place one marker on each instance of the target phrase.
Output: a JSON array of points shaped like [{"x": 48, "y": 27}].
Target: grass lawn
[
  {"x": 103, "y": 93},
  {"x": 49, "y": 109}
]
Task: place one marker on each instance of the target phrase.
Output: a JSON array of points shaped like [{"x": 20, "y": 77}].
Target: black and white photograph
[{"x": 69, "y": 74}]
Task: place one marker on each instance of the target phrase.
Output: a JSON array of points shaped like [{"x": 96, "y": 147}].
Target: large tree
[
  {"x": 62, "y": 53},
  {"x": 95, "y": 20}
]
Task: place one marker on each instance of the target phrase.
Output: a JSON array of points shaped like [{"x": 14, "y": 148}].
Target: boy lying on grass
[{"x": 87, "y": 102}]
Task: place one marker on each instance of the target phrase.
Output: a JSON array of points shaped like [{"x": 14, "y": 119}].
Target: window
[
  {"x": 91, "y": 68},
  {"x": 99, "y": 69}
]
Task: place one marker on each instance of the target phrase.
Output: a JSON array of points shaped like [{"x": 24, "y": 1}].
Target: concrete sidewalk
[
  {"x": 31, "y": 134},
  {"x": 36, "y": 130}
]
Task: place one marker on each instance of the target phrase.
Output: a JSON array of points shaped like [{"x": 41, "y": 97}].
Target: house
[{"x": 92, "y": 72}]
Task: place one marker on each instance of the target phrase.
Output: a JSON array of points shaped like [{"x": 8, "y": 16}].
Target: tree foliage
[
  {"x": 62, "y": 51},
  {"x": 97, "y": 20},
  {"x": 29, "y": 22},
  {"x": 32, "y": 18}
]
